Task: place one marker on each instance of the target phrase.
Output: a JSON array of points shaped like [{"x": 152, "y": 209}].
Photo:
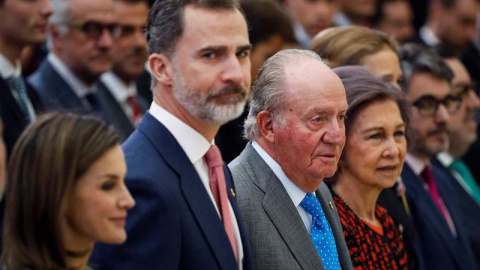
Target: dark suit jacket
[
  {"x": 12, "y": 116},
  {"x": 114, "y": 114},
  {"x": 440, "y": 249},
  {"x": 277, "y": 233},
  {"x": 174, "y": 224},
  {"x": 468, "y": 209},
  {"x": 394, "y": 205},
  {"x": 55, "y": 92},
  {"x": 14, "y": 123}
]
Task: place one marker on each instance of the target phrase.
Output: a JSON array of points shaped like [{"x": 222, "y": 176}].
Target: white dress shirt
[
  {"x": 295, "y": 193},
  {"x": 428, "y": 36},
  {"x": 195, "y": 147},
  {"x": 120, "y": 91},
  {"x": 79, "y": 87},
  {"x": 8, "y": 70}
]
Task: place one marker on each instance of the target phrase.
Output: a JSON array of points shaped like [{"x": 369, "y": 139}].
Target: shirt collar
[
  {"x": 79, "y": 87},
  {"x": 295, "y": 193},
  {"x": 7, "y": 69},
  {"x": 301, "y": 35},
  {"x": 428, "y": 36},
  {"x": 339, "y": 19},
  {"x": 193, "y": 143},
  {"x": 117, "y": 87},
  {"x": 415, "y": 164},
  {"x": 445, "y": 158}
]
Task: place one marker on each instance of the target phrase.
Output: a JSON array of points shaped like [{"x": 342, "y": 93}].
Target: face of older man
[
  {"x": 211, "y": 65},
  {"x": 129, "y": 50},
  {"x": 462, "y": 125},
  {"x": 309, "y": 143},
  {"x": 86, "y": 47}
]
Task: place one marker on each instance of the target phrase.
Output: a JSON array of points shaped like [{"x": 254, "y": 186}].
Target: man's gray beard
[{"x": 199, "y": 106}]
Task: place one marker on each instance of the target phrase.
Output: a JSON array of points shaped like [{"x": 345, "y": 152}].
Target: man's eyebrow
[{"x": 246, "y": 47}]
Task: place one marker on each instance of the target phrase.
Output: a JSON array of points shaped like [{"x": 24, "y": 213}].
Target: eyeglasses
[
  {"x": 94, "y": 29},
  {"x": 428, "y": 105},
  {"x": 127, "y": 30},
  {"x": 461, "y": 90}
]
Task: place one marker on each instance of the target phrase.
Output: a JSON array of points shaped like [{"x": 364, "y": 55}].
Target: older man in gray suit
[{"x": 297, "y": 133}]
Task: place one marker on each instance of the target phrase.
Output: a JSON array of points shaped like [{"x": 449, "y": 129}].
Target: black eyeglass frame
[
  {"x": 94, "y": 29},
  {"x": 450, "y": 102}
]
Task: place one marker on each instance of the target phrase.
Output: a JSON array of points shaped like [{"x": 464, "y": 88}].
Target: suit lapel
[
  {"x": 193, "y": 190},
  {"x": 279, "y": 207},
  {"x": 421, "y": 198}
]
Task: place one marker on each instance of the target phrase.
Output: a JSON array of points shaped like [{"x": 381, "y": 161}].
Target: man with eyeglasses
[
  {"x": 463, "y": 133},
  {"x": 427, "y": 83},
  {"x": 80, "y": 39},
  {"x": 118, "y": 87}
]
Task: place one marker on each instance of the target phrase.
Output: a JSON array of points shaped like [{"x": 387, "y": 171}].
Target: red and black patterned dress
[{"x": 370, "y": 247}]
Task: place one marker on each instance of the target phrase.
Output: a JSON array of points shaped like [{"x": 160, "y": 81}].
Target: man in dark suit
[
  {"x": 81, "y": 40},
  {"x": 461, "y": 185},
  {"x": 186, "y": 215},
  {"x": 427, "y": 82},
  {"x": 297, "y": 133},
  {"x": 129, "y": 52},
  {"x": 21, "y": 24}
]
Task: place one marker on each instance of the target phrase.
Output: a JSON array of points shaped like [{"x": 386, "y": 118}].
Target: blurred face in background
[
  {"x": 86, "y": 47},
  {"x": 129, "y": 51},
  {"x": 397, "y": 20},
  {"x": 313, "y": 15},
  {"x": 264, "y": 50},
  {"x": 24, "y": 22},
  {"x": 358, "y": 8},
  {"x": 462, "y": 125},
  {"x": 457, "y": 25},
  {"x": 385, "y": 65}
]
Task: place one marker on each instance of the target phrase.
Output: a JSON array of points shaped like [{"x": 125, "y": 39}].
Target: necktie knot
[
  {"x": 18, "y": 85},
  {"x": 213, "y": 157},
  {"x": 311, "y": 204},
  {"x": 428, "y": 176}
]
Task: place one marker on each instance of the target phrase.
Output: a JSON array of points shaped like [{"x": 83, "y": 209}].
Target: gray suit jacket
[{"x": 278, "y": 237}]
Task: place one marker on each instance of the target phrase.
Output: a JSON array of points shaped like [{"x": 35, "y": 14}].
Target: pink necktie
[
  {"x": 432, "y": 187},
  {"x": 136, "y": 109},
  {"x": 219, "y": 190}
]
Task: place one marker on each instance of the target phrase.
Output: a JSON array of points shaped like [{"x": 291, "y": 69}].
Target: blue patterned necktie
[
  {"x": 18, "y": 85},
  {"x": 321, "y": 233}
]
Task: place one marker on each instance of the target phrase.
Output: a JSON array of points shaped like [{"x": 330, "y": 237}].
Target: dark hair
[
  {"x": 447, "y": 51},
  {"x": 165, "y": 21},
  {"x": 348, "y": 45},
  {"x": 418, "y": 59},
  {"x": 266, "y": 19},
  {"x": 47, "y": 161}
]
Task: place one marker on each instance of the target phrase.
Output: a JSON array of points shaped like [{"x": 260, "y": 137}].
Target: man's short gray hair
[
  {"x": 268, "y": 92},
  {"x": 61, "y": 15}
]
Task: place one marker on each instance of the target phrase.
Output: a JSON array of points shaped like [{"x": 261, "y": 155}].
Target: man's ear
[
  {"x": 265, "y": 126},
  {"x": 161, "y": 68}
]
